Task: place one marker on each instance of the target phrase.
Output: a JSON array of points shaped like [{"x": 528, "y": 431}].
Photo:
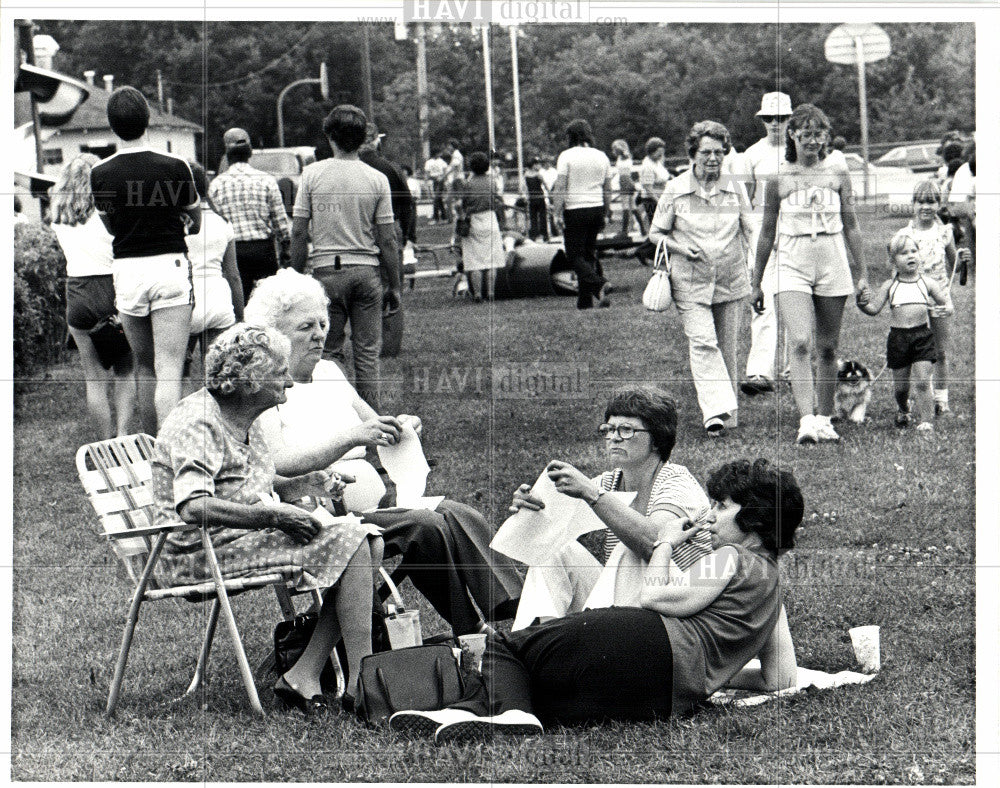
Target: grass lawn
[{"x": 888, "y": 539}]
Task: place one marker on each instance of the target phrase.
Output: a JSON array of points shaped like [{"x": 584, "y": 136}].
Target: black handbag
[
  {"x": 422, "y": 678},
  {"x": 109, "y": 341},
  {"x": 290, "y": 639},
  {"x": 463, "y": 226}
]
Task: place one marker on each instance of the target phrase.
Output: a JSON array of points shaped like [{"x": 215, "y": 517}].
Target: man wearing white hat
[{"x": 760, "y": 162}]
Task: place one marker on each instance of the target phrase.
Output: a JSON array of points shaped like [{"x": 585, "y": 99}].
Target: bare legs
[
  {"x": 347, "y": 611},
  {"x": 805, "y": 317},
  {"x": 159, "y": 344},
  {"x": 96, "y": 380}
]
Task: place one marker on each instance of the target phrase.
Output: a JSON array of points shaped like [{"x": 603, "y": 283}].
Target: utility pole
[
  {"x": 488, "y": 75},
  {"x": 159, "y": 88},
  {"x": 366, "y": 72},
  {"x": 517, "y": 109},
  {"x": 26, "y": 30},
  {"x": 422, "y": 111}
]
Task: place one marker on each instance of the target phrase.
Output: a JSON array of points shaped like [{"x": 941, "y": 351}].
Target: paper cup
[
  {"x": 473, "y": 647},
  {"x": 866, "y": 648},
  {"x": 404, "y": 629}
]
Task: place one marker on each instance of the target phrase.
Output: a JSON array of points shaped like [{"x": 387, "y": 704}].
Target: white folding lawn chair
[{"x": 117, "y": 477}]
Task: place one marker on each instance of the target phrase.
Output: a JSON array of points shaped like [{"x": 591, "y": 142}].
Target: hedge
[{"x": 39, "y": 300}]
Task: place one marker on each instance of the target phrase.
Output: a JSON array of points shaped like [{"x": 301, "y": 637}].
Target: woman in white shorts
[
  {"x": 810, "y": 208},
  {"x": 218, "y": 290},
  {"x": 90, "y": 299}
]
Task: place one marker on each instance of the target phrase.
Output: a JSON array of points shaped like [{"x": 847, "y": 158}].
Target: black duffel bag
[{"x": 422, "y": 678}]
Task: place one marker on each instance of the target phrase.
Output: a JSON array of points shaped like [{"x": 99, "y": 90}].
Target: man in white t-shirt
[
  {"x": 581, "y": 200},
  {"x": 434, "y": 170},
  {"x": 344, "y": 208},
  {"x": 759, "y": 163}
]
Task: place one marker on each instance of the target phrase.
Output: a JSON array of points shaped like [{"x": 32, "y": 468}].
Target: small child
[
  {"x": 936, "y": 247},
  {"x": 910, "y": 348}
]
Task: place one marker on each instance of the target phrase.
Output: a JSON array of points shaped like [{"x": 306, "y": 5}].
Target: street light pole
[
  {"x": 26, "y": 29},
  {"x": 324, "y": 87}
]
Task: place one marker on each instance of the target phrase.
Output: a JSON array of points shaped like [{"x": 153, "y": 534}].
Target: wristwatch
[
  {"x": 600, "y": 493},
  {"x": 660, "y": 543}
]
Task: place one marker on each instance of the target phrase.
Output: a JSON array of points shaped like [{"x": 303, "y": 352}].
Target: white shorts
[
  {"x": 147, "y": 284},
  {"x": 213, "y": 304},
  {"x": 812, "y": 265}
]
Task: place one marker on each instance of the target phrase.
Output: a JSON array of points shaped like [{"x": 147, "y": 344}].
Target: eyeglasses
[
  {"x": 716, "y": 152},
  {"x": 623, "y": 431},
  {"x": 811, "y": 135},
  {"x": 773, "y": 118}
]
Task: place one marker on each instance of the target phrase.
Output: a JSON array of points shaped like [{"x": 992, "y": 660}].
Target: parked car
[
  {"x": 285, "y": 164},
  {"x": 892, "y": 185},
  {"x": 918, "y": 158}
]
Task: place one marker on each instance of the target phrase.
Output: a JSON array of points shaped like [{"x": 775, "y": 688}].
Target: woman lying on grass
[{"x": 693, "y": 632}]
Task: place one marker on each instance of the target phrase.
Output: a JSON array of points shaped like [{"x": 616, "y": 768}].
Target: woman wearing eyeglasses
[
  {"x": 809, "y": 207},
  {"x": 705, "y": 221},
  {"x": 638, "y": 435}
]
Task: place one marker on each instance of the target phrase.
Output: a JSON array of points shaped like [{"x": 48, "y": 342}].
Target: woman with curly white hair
[
  {"x": 326, "y": 425},
  {"x": 212, "y": 466}
]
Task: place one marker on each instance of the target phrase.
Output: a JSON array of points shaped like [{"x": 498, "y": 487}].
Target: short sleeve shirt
[
  {"x": 343, "y": 199},
  {"x": 719, "y": 223},
  {"x": 143, "y": 193},
  {"x": 198, "y": 454},
  {"x": 585, "y": 170},
  {"x": 208, "y": 247}
]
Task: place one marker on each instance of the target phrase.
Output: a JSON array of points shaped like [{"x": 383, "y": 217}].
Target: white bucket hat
[{"x": 775, "y": 104}]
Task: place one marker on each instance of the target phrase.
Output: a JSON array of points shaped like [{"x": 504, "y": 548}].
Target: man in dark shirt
[
  {"x": 403, "y": 205},
  {"x": 148, "y": 202}
]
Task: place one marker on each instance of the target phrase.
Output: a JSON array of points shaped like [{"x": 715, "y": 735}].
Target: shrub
[{"x": 39, "y": 299}]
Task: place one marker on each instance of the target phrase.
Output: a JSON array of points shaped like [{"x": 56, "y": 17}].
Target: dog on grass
[{"x": 854, "y": 391}]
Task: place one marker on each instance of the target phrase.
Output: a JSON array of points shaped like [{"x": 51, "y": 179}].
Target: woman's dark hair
[
  {"x": 839, "y": 143},
  {"x": 346, "y": 126},
  {"x": 534, "y": 160},
  {"x": 128, "y": 113},
  {"x": 653, "y": 144},
  {"x": 479, "y": 163},
  {"x": 802, "y": 116},
  {"x": 454, "y": 143},
  {"x": 707, "y": 128},
  {"x": 953, "y": 165},
  {"x": 970, "y": 156},
  {"x": 770, "y": 500},
  {"x": 578, "y": 132},
  {"x": 952, "y": 150},
  {"x": 657, "y": 411}
]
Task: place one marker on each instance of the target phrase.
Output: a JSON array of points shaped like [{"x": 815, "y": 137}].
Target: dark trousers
[
  {"x": 440, "y": 214},
  {"x": 255, "y": 260},
  {"x": 446, "y": 555},
  {"x": 611, "y": 663},
  {"x": 538, "y": 224},
  {"x": 582, "y": 226}
]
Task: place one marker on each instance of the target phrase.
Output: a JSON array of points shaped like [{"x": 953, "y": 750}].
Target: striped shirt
[
  {"x": 674, "y": 489},
  {"x": 250, "y": 201}
]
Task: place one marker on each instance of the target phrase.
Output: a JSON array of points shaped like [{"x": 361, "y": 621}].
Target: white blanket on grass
[{"x": 806, "y": 679}]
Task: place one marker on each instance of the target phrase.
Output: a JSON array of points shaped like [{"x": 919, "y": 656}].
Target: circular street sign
[{"x": 841, "y": 44}]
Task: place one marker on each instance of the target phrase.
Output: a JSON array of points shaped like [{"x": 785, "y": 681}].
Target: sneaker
[
  {"x": 425, "y": 723},
  {"x": 925, "y": 426},
  {"x": 825, "y": 430},
  {"x": 941, "y": 409},
  {"x": 756, "y": 384},
  {"x": 807, "y": 430},
  {"x": 902, "y": 418},
  {"x": 512, "y": 722},
  {"x": 715, "y": 427}
]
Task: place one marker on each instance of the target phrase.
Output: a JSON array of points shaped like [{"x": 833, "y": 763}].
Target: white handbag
[{"x": 657, "y": 296}]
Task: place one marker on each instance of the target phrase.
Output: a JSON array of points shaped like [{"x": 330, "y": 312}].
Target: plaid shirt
[{"x": 251, "y": 202}]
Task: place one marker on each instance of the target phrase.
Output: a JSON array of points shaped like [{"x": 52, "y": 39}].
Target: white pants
[
  {"x": 558, "y": 588},
  {"x": 712, "y": 332},
  {"x": 764, "y": 330}
]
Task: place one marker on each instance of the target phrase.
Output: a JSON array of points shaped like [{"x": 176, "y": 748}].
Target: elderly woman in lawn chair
[
  {"x": 325, "y": 424},
  {"x": 691, "y": 633},
  {"x": 212, "y": 466}
]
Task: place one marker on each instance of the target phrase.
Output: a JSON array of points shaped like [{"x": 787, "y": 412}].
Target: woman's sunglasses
[{"x": 772, "y": 118}]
